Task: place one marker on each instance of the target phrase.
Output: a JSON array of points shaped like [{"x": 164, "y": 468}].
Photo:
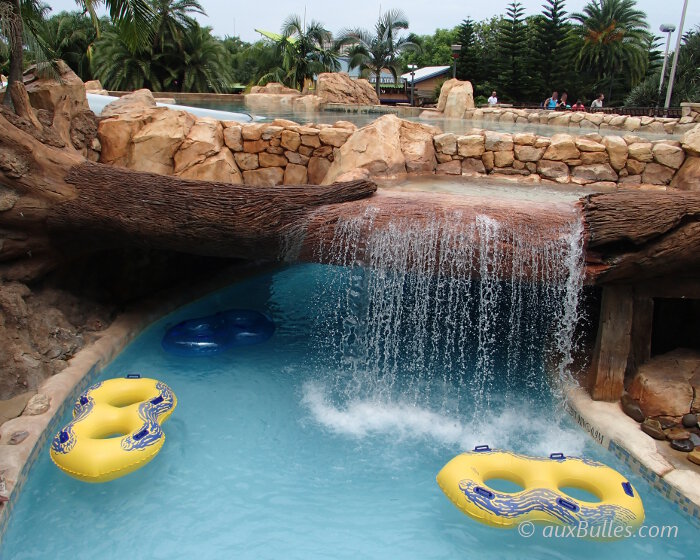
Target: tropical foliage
[
  {"x": 615, "y": 40},
  {"x": 158, "y": 44},
  {"x": 687, "y": 83},
  {"x": 302, "y": 51},
  {"x": 378, "y": 50},
  {"x": 606, "y": 47}
]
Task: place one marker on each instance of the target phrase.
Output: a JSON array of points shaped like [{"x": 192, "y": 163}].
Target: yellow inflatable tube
[
  {"x": 465, "y": 482},
  {"x": 116, "y": 429}
]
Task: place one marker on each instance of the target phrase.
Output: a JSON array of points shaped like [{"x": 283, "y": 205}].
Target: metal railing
[{"x": 672, "y": 112}]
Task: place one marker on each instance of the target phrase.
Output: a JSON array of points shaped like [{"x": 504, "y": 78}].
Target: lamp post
[
  {"x": 412, "y": 68},
  {"x": 665, "y": 28},
  {"x": 456, "y": 49},
  {"x": 675, "y": 58}
]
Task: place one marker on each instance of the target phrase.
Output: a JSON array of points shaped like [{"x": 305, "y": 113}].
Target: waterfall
[{"x": 450, "y": 309}]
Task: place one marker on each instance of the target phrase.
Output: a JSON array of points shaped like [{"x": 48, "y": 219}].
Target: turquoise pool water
[{"x": 312, "y": 446}]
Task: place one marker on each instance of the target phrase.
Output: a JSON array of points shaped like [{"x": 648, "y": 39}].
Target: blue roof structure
[{"x": 426, "y": 73}]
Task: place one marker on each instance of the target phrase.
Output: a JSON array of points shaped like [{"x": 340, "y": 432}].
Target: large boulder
[
  {"x": 667, "y": 385},
  {"x": 376, "y": 147},
  {"x": 339, "y": 87},
  {"x": 307, "y": 104},
  {"x": 688, "y": 177},
  {"x": 669, "y": 154},
  {"x": 460, "y": 99},
  {"x": 417, "y": 147},
  {"x": 95, "y": 86},
  {"x": 617, "y": 151},
  {"x": 115, "y": 135},
  {"x": 45, "y": 91},
  {"x": 205, "y": 139},
  {"x": 219, "y": 168},
  {"x": 136, "y": 102},
  {"x": 594, "y": 173},
  {"x": 155, "y": 145},
  {"x": 445, "y": 92},
  {"x": 562, "y": 148},
  {"x": 691, "y": 141},
  {"x": 274, "y": 88}
]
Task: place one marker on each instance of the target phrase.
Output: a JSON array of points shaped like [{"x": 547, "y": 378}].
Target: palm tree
[
  {"x": 119, "y": 67},
  {"x": 133, "y": 18},
  {"x": 380, "y": 50},
  {"x": 19, "y": 20},
  {"x": 172, "y": 18},
  {"x": 203, "y": 62},
  {"x": 300, "y": 52},
  {"x": 306, "y": 51},
  {"x": 70, "y": 37},
  {"x": 615, "y": 39}
]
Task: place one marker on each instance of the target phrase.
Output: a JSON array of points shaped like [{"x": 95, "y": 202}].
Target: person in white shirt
[
  {"x": 493, "y": 100},
  {"x": 598, "y": 103}
]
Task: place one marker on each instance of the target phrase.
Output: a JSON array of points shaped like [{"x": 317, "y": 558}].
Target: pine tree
[
  {"x": 469, "y": 62},
  {"x": 552, "y": 33},
  {"x": 512, "y": 52}
]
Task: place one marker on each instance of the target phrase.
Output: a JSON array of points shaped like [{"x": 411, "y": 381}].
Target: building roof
[{"x": 426, "y": 73}]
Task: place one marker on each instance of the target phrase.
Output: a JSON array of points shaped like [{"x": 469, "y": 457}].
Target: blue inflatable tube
[{"x": 213, "y": 334}]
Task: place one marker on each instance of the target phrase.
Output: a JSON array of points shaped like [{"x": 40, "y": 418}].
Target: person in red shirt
[{"x": 578, "y": 106}]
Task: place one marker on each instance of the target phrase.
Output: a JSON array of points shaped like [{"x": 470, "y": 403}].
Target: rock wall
[
  {"x": 283, "y": 152},
  {"x": 562, "y": 158},
  {"x": 277, "y": 97},
  {"x": 161, "y": 140},
  {"x": 377, "y": 150},
  {"x": 580, "y": 121}
]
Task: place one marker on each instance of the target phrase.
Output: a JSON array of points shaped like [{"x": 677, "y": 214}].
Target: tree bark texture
[
  {"x": 54, "y": 204},
  {"x": 637, "y": 236}
]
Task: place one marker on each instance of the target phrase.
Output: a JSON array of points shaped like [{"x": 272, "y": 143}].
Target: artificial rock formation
[
  {"x": 456, "y": 98},
  {"x": 339, "y": 87},
  {"x": 388, "y": 147},
  {"x": 140, "y": 136},
  {"x": 577, "y": 121},
  {"x": 273, "y": 96},
  {"x": 669, "y": 385}
]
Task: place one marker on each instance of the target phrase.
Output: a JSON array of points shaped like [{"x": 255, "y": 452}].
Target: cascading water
[{"x": 449, "y": 312}]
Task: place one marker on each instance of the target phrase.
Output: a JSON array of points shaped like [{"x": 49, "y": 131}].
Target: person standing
[
  {"x": 493, "y": 100},
  {"x": 578, "y": 106},
  {"x": 598, "y": 103}
]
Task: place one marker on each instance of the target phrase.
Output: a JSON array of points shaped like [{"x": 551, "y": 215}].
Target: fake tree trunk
[
  {"x": 634, "y": 236},
  {"x": 55, "y": 205}
]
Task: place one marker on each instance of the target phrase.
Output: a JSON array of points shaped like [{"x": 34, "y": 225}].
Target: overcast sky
[{"x": 229, "y": 17}]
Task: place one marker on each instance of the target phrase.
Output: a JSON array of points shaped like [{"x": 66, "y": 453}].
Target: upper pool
[{"x": 324, "y": 441}]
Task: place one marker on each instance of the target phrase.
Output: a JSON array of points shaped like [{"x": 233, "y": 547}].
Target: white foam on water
[{"x": 520, "y": 429}]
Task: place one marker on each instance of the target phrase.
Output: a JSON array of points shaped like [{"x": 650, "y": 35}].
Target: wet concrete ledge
[
  {"x": 610, "y": 427},
  {"x": 64, "y": 387}
]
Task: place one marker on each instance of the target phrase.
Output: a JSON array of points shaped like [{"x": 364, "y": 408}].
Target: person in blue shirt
[{"x": 552, "y": 102}]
